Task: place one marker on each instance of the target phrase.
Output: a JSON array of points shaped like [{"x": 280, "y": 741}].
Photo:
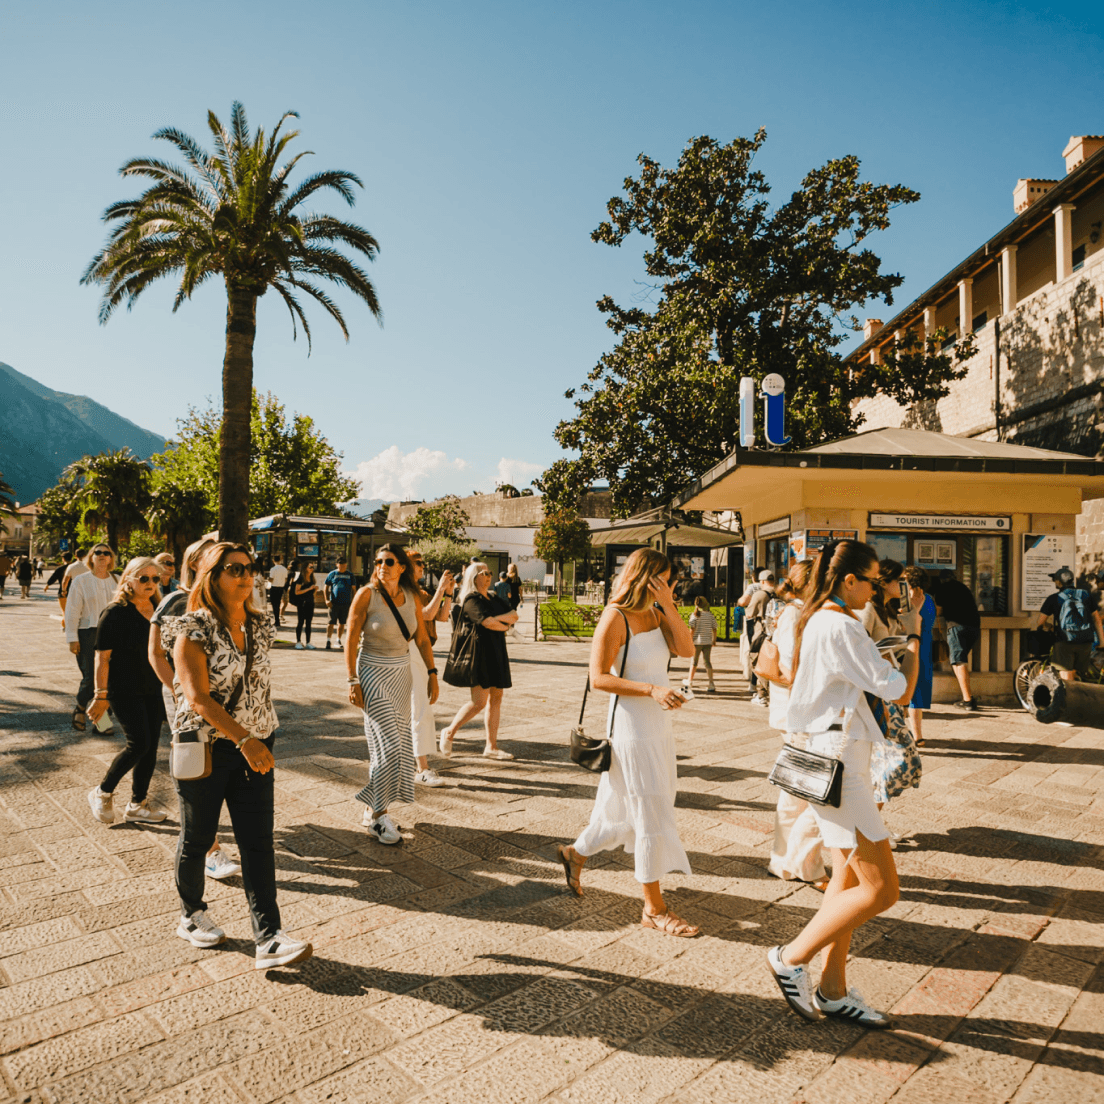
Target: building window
[
  {"x": 1079, "y": 258},
  {"x": 985, "y": 571},
  {"x": 949, "y": 344},
  {"x": 980, "y": 320}
]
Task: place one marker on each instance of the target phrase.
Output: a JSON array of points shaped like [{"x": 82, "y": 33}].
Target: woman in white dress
[
  {"x": 635, "y": 804},
  {"x": 798, "y": 851},
  {"x": 838, "y": 673}
]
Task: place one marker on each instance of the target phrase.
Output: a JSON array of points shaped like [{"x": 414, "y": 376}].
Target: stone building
[{"x": 1033, "y": 296}]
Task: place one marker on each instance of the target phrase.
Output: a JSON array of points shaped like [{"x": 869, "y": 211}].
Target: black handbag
[
  {"x": 808, "y": 775},
  {"x": 460, "y": 665},
  {"x": 589, "y": 753}
]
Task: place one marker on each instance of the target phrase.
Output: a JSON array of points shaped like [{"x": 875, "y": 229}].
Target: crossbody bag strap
[
  {"x": 624, "y": 660},
  {"x": 586, "y": 691},
  {"x": 239, "y": 688},
  {"x": 398, "y": 616}
]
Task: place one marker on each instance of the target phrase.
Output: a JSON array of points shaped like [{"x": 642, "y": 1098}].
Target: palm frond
[
  {"x": 296, "y": 311},
  {"x": 321, "y": 297},
  {"x": 335, "y": 266},
  {"x": 336, "y": 179},
  {"x": 326, "y": 228},
  {"x": 239, "y": 125},
  {"x": 195, "y": 155}
]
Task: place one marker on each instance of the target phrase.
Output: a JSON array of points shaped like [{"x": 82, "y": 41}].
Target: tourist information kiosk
[{"x": 999, "y": 517}]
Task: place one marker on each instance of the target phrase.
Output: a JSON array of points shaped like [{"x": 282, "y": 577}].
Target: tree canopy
[
  {"x": 562, "y": 536},
  {"x": 111, "y": 490},
  {"x": 234, "y": 215},
  {"x": 295, "y": 470},
  {"x": 737, "y": 288},
  {"x": 443, "y": 518},
  {"x": 7, "y": 498}
]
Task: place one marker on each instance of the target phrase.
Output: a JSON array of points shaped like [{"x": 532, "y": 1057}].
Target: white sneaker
[
  {"x": 141, "y": 813},
  {"x": 199, "y": 930},
  {"x": 795, "y": 983},
  {"x": 854, "y": 1008},
  {"x": 760, "y": 701},
  {"x": 218, "y": 866},
  {"x": 282, "y": 950},
  {"x": 444, "y": 745},
  {"x": 429, "y": 777},
  {"x": 310, "y": 647},
  {"x": 496, "y": 753},
  {"x": 298, "y": 647},
  {"x": 384, "y": 829},
  {"x": 103, "y": 805}
]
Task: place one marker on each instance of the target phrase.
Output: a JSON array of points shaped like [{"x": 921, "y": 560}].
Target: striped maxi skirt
[{"x": 385, "y": 683}]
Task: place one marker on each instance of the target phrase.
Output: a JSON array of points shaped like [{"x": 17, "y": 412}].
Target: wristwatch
[{"x": 432, "y": 671}]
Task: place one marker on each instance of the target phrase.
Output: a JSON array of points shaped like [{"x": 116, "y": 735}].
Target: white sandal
[
  {"x": 444, "y": 744},
  {"x": 496, "y": 753}
]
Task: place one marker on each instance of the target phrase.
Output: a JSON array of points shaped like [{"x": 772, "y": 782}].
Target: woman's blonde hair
[
  {"x": 204, "y": 594},
  {"x": 124, "y": 593},
  {"x": 90, "y": 559},
  {"x": 192, "y": 555},
  {"x": 467, "y": 585},
  {"x": 630, "y": 589}
]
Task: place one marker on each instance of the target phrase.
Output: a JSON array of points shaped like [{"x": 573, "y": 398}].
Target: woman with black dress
[
  {"x": 305, "y": 589},
  {"x": 123, "y": 676},
  {"x": 487, "y": 615}
]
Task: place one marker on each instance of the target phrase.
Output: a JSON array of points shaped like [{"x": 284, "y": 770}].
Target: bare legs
[
  {"x": 481, "y": 697},
  {"x": 859, "y": 890},
  {"x": 962, "y": 673},
  {"x": 916, "y": 717}
]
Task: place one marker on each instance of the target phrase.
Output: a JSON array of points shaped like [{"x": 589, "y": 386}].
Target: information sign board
[
  {"x": 1043, "y": 554},
  {"x": 945, "y": 522}
]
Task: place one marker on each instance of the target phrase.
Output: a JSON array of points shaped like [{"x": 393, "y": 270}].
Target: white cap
[{"x": 765, "y": 574}]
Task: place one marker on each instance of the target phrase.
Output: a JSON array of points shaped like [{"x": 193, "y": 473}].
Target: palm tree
[
  {"x": 233, "y": 215},
  {"x": 7, "y": 498},
  {"x": 179, "y": 514},
  {"x": 113, "y": 491}
]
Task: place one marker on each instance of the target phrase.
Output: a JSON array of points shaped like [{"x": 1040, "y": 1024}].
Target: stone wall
[
  {"x": 497, "y": 511},
  {"x": 1051, "y": 385}
]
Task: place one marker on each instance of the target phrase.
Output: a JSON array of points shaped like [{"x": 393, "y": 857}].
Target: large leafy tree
[
  {"x": 234, "y": 215},
  {"x": 111, "y": 490},
  {"x": 737, "y": 288},
  {"x": 59, "y": 515},
  {"x": 562, "y": 536},
  {"x": 443, "y": 518},
  {"x": 178, "y": 514},
  {"x": 295, "y": 470},
  {"x": 7, "y": 498}
]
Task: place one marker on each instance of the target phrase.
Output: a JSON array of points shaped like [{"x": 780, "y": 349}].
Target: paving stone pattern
[{"x": 456, "y": 969}]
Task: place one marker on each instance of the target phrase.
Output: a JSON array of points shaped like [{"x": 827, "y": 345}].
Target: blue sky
[{"x": 489, "y": 137}]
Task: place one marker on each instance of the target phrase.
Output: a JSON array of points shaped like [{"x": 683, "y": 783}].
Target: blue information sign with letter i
[{"x": 774, "y": 410}]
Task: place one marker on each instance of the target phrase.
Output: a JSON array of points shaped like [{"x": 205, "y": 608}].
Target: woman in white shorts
[{"x": 838, "y": 674}]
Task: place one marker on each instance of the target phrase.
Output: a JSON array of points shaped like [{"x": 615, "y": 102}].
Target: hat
[
  {"x": 765, "y": 574},
  {"x": 1064, "y": 576}
]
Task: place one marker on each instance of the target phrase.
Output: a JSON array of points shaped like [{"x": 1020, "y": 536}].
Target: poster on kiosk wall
[{"x": 1043, "y": 554}]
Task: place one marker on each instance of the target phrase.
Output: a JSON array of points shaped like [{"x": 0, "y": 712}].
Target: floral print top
[{"x": 225, "y": 666}]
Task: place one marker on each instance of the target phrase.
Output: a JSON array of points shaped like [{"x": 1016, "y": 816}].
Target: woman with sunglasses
[
  {"x": 123, "y": 676},
  {"x": 88, "y": 596},
  {"x": 384, "y": 617},
  {"x": 223, "y": 683},
  {"x": 491, "y": 618},
  {"x": 839, "y": 683}
]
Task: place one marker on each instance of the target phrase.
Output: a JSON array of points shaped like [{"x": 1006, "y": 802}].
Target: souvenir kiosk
[{"x": 1000, "y": 517}]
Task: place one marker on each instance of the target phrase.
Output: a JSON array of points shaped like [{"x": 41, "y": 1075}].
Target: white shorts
[{"x": 857, "y": 812}]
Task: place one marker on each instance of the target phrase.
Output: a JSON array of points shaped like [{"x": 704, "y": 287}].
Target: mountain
[{"x": 42, "y": 430}]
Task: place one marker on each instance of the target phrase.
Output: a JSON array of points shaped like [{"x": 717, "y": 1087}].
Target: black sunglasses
[
  {"x": 147, "y": 578},
  {"x": 387, "y": 561},
  {"x": 237, "y": 570},
  {"x": 102, "y": 552}
]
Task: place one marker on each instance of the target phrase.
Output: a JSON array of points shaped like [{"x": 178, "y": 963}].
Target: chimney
[
  {"x": 1028, "y": 191},
  {"x": 870, "y": 327},
  {"x": 1081, "y": 148}
]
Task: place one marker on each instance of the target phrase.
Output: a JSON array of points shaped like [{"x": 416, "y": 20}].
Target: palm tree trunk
[{"x": 237, "y": 409}]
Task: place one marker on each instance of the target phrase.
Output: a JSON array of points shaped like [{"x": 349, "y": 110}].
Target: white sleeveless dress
[{"x": 635, "y": 804}]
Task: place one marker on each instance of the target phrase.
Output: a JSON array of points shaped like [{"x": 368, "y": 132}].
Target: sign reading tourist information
[{"x": 948, "y": 522}]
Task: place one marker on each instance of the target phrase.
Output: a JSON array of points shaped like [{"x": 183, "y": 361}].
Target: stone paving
[{"x": 456, "y": 969}]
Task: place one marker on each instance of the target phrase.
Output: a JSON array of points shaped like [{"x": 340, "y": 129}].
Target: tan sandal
[
  {"x": 572, "y": 869},
  {"x": 669, "y": 924}
]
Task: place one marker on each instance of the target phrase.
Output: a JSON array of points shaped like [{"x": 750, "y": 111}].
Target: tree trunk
[
  {"x": 113, "y": 534},
  {"x": 237, "y": 409}
]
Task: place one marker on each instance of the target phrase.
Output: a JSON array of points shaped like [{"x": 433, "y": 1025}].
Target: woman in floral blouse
[{"x": 221, "y": 643}]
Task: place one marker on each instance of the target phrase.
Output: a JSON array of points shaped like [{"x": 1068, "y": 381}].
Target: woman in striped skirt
[{"x": 384, "y": 617}]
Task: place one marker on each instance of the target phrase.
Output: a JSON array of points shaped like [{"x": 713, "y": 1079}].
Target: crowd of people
[{"x": 840, "y": 652}]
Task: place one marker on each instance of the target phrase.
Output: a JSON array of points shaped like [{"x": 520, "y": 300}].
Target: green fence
[{"x": 558, "y": 618}]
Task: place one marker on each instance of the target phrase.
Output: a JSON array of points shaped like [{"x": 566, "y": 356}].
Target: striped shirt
[{"x": 703, "y": 625}]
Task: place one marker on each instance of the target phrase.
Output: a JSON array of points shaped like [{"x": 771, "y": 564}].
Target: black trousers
[
  {"x": 305, "y": 618},
  {"x": 249, "y": 798},
  {"x": 276, "y": 596},
  {"x": 141, "y": 717}
]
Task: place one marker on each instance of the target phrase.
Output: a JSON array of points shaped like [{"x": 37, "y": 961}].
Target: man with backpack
[{"x": 1077, "y": 624}]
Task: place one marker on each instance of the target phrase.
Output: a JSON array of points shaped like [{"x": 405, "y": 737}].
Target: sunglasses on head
[
  {"x": 478, "y": 573},
  {"x": 237, "y": 570},
  {"x": 387, "y": 561}
]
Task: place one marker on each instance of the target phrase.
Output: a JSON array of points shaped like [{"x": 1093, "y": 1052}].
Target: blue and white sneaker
[
  {"x": 854, "y": 1008},
  {"x": 217, "y": 865},
  {"x": 796, "y": 985}
]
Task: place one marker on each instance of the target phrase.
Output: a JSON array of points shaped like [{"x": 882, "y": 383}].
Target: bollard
[{"x": 1052, "y": 699}]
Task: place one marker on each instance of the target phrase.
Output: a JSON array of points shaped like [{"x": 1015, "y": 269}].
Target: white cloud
[
  {"x": 519, "y": 473},
  {"x": 393, "y": 475}
]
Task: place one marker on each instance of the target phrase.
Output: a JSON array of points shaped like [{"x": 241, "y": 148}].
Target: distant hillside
[{"x": 41, "y": 431}]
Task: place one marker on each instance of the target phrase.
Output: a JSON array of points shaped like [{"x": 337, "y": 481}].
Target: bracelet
[
  {"x": 353, "y": 681},
  {"x": 431, "y": 671},
  {"x": 244, "y": 739},
  {"x": 914, "y": 636},
  {"x": 100, "y": 694}
]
